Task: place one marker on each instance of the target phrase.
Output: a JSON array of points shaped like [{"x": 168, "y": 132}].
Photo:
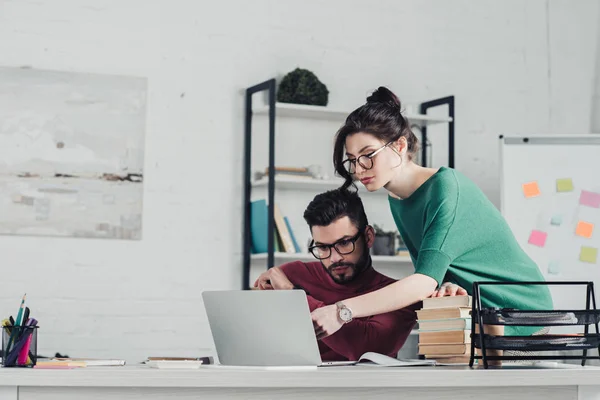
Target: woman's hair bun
[{"x": 384, "y": 95}]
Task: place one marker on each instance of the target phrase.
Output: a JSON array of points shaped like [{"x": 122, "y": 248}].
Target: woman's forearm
[{"x": 398, "y": 295}]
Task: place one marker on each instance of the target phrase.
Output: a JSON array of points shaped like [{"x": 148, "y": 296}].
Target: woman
[{"x": 452, "y": 231}]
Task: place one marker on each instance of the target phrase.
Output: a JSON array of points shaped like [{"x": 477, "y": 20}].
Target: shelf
[
  {"x": 286, "y": 257},
  {"x": 292, "y": 183},
  {"x": 505, "y": 316},
  {"x": 540, "y": 342},
  {"x": 326, "y": 113},
  {"x": 286, "y": 182}
]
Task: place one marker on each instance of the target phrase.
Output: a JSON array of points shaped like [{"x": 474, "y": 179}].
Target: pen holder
[{"x": 19, "y": 346}]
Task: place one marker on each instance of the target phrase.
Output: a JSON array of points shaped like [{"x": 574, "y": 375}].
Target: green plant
[{"x": 301, "y": 86}]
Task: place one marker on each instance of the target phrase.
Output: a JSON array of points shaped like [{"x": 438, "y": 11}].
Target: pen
[
  {"x": 21, "y": 310},
  {"x": 17, "y": 322},
  {"x": 25, "y": 316},
  {"x": 24, "y": 353}
]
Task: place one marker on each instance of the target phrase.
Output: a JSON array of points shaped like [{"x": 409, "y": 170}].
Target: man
[{"x": 342, "y": 238}]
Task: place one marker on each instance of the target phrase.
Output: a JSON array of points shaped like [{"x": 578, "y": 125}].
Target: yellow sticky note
[
  {"x": 531, "y": 189},
  {"x": 588, "y": 254},
  {"x": 564, "y": 185},
  {"x": 584, "y": 229}
]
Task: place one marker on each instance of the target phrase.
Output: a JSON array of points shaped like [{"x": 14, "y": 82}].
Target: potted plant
[{"x": 302, "y": 86}]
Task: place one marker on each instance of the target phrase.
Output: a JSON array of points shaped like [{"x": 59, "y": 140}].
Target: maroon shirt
[{"x": 383, "y": 333}]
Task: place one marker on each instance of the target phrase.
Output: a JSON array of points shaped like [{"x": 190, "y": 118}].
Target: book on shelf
[
  {"x": 284, "y": 233},
  {"x": 447, "y": 301},
  {"x": 295, "y": 176},
  {"x": 287, "y": 172},
  {"x": 446, "y": 337},
  {"x": 443, "y": 313},
  {"x": 453, "y": 349},
  {"x": 259, "y": 224},
  {"x": 295, "y": 242},
  {"x": 450, "y": 324}
]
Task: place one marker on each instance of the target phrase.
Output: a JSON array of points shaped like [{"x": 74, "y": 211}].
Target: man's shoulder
[
  {"x": 381, "y": 279},
  {"x": 299, "y": 267}
]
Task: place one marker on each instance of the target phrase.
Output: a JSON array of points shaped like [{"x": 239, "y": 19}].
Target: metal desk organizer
[{"x": 542, "y": 318}]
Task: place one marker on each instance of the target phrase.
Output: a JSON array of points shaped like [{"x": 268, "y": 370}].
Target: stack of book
[{"x": 445, "y": 329}]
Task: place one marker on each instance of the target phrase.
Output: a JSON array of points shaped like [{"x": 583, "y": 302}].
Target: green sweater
[{"x": 455, "y": 234}]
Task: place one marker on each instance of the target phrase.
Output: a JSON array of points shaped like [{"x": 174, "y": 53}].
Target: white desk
[{"x": 424, "y": 383}]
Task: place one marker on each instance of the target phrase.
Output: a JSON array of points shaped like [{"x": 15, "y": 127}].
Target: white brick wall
[{"x": 514, "y": 66}]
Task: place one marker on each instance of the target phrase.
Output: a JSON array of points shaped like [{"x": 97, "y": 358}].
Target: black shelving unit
[
  {"x": 539, "y": 318},
  {"x": 269, "y": 86}
]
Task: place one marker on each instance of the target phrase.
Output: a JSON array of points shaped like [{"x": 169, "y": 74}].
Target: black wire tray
[
  {"x": 539, "y": 342},
  {"x": 508, "y": 316}
]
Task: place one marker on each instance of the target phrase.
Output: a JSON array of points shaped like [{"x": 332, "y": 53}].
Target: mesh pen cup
[{"x": 19, "y": 346}]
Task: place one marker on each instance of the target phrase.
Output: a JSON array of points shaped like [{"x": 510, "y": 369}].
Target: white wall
[
  {"x": 513, "y": 66},
  {"x": 595, "y": 114}
]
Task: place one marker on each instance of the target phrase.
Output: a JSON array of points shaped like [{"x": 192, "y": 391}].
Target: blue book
[
  {"x": 289, "y": 227},
  {"x": 259, "y": 225}
]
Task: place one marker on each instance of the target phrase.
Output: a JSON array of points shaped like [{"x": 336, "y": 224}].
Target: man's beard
[{"x": 356, "y": 268}]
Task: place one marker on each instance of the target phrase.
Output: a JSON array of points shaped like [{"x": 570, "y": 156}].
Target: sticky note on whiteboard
[
  {"x": 531, "y": 189},
  {"x": 564, "y": 185},
  {"x": 584, "y": 229},
  {"x": 556, "y": 220},
  {"x": 538, "y": 238},
  {"x": 590, "y": 199},
  {"x": 588, "y": 254}
]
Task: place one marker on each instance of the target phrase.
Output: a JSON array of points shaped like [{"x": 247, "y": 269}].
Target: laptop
[{"x": 264, "y": 328}]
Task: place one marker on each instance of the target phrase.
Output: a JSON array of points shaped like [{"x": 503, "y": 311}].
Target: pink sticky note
[
  {"x": 589, "y": 199},
  {"x": 538, "y": 238}
]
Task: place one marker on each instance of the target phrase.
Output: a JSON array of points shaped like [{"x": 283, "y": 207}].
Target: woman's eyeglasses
[
  {"x": 365, "y": 161},
  {"x": 344, "y": 246}
]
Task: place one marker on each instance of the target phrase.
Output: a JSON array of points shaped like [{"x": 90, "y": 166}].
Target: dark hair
[
  {"x": 327, "y": 207},
  {"x": 381, "y": 117}
]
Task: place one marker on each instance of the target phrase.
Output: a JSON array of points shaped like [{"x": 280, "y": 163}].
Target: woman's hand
[
  {"x": 326, "y": 321},
  {"x": 449, "y": 289}
]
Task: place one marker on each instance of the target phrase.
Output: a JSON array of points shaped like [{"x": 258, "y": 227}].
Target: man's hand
[
  {"x": 275, "y": 279},
  {"x": 326, "y": 321},
  {"x": 449, "y": 289}
]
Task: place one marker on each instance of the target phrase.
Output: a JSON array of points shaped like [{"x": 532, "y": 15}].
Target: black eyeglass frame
[
  {"x": 312, "y": 248},
  {"x": 349, "y": 164}
]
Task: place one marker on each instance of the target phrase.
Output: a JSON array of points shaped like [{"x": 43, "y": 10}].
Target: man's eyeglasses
[
  {"x": 365, "y": 161},
  {"x": 344, "y": 246}
]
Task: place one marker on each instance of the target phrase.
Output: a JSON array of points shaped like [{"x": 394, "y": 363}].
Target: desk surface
[{"x": 349, "y": 376}]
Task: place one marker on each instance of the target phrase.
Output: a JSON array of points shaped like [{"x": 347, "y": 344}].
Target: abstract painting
[{"x": 71, "y": 154}]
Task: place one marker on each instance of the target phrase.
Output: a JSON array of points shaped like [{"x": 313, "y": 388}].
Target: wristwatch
[{"x": 344, "y": 313}]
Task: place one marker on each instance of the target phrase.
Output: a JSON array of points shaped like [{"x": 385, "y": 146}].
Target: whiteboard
[{"x": 556, "y": 222}]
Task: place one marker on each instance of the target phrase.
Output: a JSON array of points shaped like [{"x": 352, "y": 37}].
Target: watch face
[{"x": 345, "y": 314}]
